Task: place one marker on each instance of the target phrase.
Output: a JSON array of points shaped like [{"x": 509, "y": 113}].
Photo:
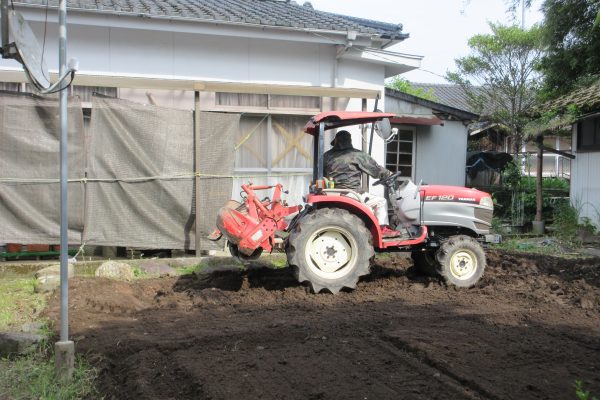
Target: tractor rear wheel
[
  {"x": 330, "y": 248},
  {"x": 462, "y": 261},
  {"x": 425, "y": 262}
]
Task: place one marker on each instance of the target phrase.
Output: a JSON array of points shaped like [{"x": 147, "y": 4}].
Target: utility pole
[
  {"x": 64, "y": 348},
  {"x": 25, "y": 50}
]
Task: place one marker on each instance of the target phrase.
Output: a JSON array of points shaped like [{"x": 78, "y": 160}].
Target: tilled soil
[{"x": 528, "y": 330}]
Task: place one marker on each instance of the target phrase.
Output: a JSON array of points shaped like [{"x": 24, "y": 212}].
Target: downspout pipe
[{"x": 4, "y": 22}]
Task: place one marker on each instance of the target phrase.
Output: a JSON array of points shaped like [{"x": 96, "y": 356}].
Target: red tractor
[{"x": 332, "y": 239}]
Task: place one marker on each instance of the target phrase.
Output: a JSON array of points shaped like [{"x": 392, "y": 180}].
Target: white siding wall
[
  {"x": 147, "y": 52},
  {"x": 112, "y": 45},
  {"x": 585, "y": 182},
  {"x": 441, "y": 150},
  {"x": 442, "y": 154}
]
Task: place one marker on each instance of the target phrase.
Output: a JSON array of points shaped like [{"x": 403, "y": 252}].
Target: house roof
[
  {"x": 586, "y": 99},
  {"x": 270, "y": 13},
  {"x": 447, "y": 94},
  {"x": 434, "y": 105}
]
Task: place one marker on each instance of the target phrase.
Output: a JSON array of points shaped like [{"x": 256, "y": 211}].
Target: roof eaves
[
  {"x": 343, "y": 24},
  {"x": 586, "y": 99},
  {"x": 461, "y": 114},
  {"x": 191, "y": 19}
]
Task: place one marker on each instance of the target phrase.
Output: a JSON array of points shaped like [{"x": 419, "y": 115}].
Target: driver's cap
[{"x": 342, "y": 136}]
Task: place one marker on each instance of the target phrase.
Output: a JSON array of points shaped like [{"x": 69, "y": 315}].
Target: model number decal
[
  {"x": 447, "y": 197},
  {"x": 450, "y": 197}
]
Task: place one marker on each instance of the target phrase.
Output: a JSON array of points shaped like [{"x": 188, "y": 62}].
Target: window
[
  {"x": 399, "y": 152},
  {"x": 242, "y": 100},
  {"x": 588, "y": 134},
  {"x": 268, "y": 101},
  {"x": 273, "y": 143},
  {"x": 10, "y": 86}
]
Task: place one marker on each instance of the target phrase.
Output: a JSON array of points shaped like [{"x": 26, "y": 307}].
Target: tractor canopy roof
[{"x": 337, "y": 119}]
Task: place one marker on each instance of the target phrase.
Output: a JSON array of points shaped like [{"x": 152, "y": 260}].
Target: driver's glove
[{"x": 385, "y": 173}]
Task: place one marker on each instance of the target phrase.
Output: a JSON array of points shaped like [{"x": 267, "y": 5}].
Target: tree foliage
[
  {"x": 571, "y": 32},
  {"x": 499, "y": 76},
  {"x": 404, "y": 85}
]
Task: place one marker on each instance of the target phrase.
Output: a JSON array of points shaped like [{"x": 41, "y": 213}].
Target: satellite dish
[
  {"x": 384, "y": 129},
  {"x": 28, "y": 50}
]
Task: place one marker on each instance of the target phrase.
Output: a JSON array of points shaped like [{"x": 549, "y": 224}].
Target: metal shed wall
[
  {"x": 585, "y": 184},
  {"x": 441, "y": 153}
]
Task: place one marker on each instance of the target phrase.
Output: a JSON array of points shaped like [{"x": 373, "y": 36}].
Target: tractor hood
[
  {"x": 338, "y": 119},
  {"x": 452, "y": 194}
]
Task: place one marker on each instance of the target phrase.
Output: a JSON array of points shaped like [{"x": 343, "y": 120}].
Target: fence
[{"x": 132, "y": 182}]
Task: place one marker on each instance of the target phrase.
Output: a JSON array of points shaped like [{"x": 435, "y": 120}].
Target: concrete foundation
[
  {"x": 538, "y": 227},
  {"x": 64, "y": 359}
]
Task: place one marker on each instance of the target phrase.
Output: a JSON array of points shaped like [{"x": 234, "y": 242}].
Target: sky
[{"x": 439, "y": 29}]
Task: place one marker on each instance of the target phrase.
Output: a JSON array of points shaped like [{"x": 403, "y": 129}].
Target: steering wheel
[{"x": 387, "y": 181}]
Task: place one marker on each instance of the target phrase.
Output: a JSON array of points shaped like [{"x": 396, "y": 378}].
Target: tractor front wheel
[
  {"x": 461, "y": 261},
  {"x": 330, "y": 248}
]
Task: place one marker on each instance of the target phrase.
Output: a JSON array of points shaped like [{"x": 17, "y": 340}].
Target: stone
[
  {"x": 595, "y": 252},
  {"x": 48, "y": 279},
  {"x": 157, "y": 268},
  {"x": 115, "y": 270},
  {"x": 55, "y": 270},
  {"x": 14, "y": 344},
  {"x": 32, "y": 327},
  {"x": 587, "y": 303},
  {"x": 45, "y": 284}
]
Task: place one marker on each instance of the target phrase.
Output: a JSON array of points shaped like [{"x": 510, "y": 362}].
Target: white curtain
[
  {"x": 252, "y": 151},
  {"x": 242, "y": 99},
  {"x": 291, "y": 147}
]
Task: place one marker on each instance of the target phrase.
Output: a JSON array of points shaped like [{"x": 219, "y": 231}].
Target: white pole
[{"x": 64, "y": 349}]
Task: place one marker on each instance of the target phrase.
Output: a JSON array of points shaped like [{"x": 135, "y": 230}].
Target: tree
[
  {"x": 404, "y": 85},
  {"x": 571, "y": 32},
  {"x": 500, "y": 78}
]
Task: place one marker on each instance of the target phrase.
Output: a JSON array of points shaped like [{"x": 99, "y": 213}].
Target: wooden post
[
  {"x": 197, "y": 167},
  {"x": 538, "y": 181},
  {"x": 365, "y": 144}
]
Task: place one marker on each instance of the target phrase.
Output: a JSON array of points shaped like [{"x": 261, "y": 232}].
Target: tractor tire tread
[
  {"x": 444, "y": 254},
  {"x": 301, "y": 234}
]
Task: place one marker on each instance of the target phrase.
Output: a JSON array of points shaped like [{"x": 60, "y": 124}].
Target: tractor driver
[{"x": 345, "y": 165}]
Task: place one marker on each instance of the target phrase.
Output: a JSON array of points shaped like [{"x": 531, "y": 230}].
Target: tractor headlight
[{"x": 486, "y": 202}]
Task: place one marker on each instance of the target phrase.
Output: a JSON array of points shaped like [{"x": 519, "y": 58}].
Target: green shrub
[
  {"x": 566, "y": 221},
  {"x": 33, "y": 377},
  {"x": 552, "y": 188},
  {"x": 581, "y": 393}
]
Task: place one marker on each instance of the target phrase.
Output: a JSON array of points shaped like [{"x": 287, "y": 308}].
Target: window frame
[
  {"x": 413, "y": 151},
  {"x": 270, "y": 169},
  {"x": 269, "y": 109},
  {"x": 595, "y": 147}
]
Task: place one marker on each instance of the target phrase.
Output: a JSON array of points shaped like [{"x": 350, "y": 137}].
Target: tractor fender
[{"x": 355, "y": 207}]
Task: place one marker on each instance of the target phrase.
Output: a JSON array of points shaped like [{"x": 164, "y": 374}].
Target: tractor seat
[{"x": 343, "y": 192}]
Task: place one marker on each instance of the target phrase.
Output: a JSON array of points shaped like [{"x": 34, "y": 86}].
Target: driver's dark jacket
[{"x": 344, "y": 164}]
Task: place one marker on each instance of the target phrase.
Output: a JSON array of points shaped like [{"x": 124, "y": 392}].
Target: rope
[
  {"x": 245, "y": 138},
  {"x": 154, "y": 178},
  {"x": 79, "y": 251}
]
